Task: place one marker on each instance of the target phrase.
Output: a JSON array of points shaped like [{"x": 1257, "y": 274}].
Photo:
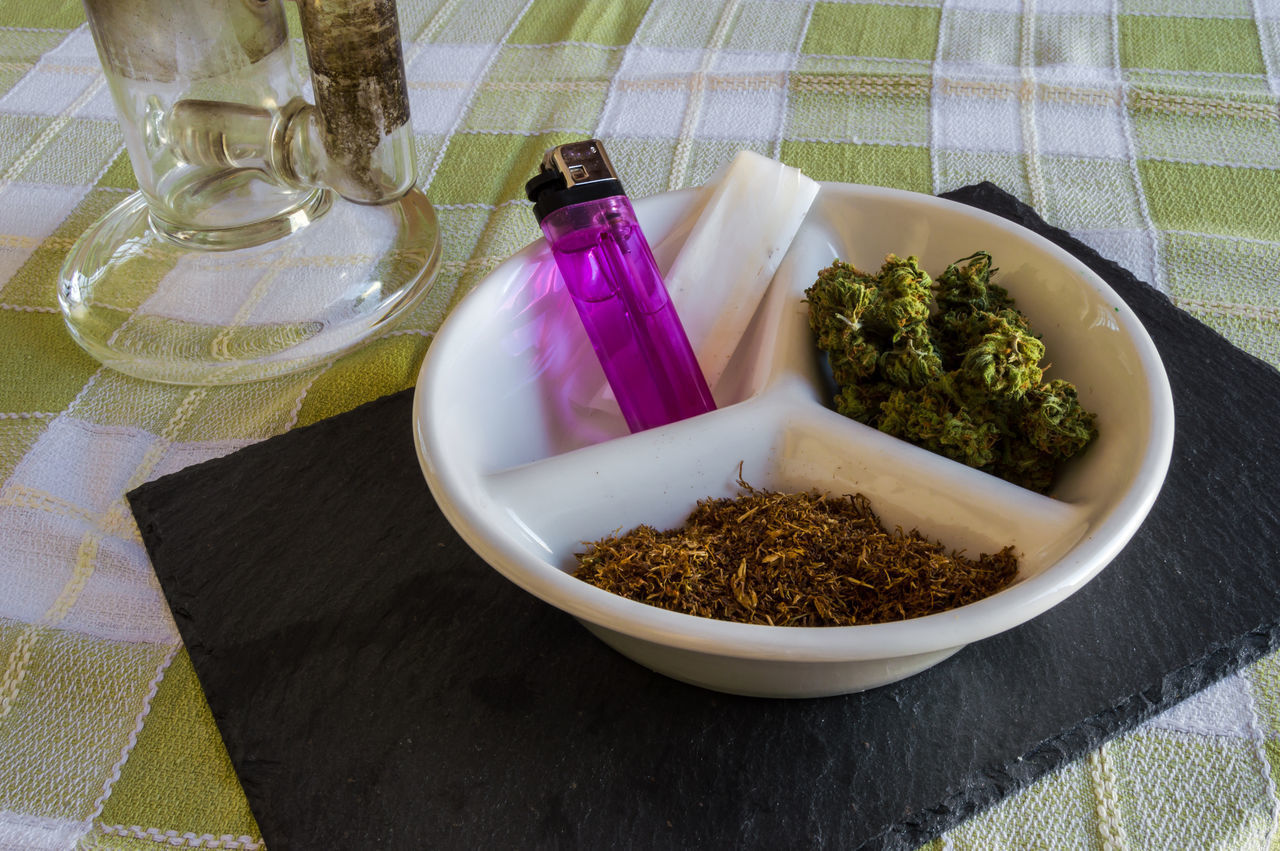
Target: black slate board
[{"x": 378, "y": 686}]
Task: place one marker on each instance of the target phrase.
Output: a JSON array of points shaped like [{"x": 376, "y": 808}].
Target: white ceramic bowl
[{"x": 526, "y": 475}]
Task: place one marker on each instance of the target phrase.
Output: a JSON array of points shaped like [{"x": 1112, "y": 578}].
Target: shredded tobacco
[
  {"x": 791, "y": 559},
  {"x": 950, "y": 365}
]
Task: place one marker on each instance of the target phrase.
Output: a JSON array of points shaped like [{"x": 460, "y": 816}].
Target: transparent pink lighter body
[{"x": 615, "y": 284}]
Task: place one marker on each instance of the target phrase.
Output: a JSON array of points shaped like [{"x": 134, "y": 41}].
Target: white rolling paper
[
  {"x": 746, "y": 219},
  {"x": 720, "y": 275}
]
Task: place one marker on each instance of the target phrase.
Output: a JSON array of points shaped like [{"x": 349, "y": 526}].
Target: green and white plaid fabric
[{"x": 1149, "y": 128}]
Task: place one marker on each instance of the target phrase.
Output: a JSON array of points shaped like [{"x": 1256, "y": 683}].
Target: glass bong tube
[{"x": 268, "y": 234}]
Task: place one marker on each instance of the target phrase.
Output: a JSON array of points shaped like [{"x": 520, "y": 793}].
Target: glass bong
[{"x": 269, "y": 234}]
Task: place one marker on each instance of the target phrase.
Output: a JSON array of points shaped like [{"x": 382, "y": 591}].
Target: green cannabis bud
[{"x": 950, "y": 366}]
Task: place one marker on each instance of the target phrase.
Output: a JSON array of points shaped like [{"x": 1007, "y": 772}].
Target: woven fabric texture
[{"x": 1148, "y": 128}]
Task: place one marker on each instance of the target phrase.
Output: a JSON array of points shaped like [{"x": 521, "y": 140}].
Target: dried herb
[
  {"x": 798, "y": 559},
  {"x": 952, "y": 366}
]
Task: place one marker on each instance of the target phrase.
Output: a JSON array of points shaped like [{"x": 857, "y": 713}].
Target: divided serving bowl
[{"x": 527, "y": 463}]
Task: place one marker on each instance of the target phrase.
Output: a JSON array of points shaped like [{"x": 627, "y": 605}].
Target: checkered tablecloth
[{"x": 1149, "y": 128}]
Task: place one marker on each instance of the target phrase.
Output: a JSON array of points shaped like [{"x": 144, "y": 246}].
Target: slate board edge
[
  {"x": 982, "y": 792},
  {"x": 989, "y": 197},
  {"x": 137, "y": 497}
]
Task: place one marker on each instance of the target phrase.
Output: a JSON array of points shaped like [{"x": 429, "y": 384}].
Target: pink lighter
[{"x": 614, "y": 282}]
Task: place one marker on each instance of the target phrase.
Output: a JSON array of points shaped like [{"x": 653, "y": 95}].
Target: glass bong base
[{"x": 189, "y": 306}]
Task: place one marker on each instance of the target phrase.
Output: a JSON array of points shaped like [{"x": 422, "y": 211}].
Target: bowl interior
[{"x": 528, "y": 462}]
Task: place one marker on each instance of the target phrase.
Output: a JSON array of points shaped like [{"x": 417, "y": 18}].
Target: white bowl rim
[{"x": 954, "y": 628}]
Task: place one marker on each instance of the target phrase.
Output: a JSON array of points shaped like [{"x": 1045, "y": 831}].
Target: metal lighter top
[
  {"x": 609, "y": 271},
  {"x": 571, "y": 174}
]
